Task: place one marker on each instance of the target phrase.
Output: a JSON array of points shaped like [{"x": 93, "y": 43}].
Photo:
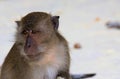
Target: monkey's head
[{"x": 35, "y": 33}]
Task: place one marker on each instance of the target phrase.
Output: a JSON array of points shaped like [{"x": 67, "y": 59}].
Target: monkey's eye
[
  {"x": 34, "y": 31},
  {"x": 24, "y": 32}
]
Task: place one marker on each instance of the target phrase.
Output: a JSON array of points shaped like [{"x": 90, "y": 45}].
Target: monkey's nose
[
  {"x": 28, "y": 42},
  {"x": 28, "y": 45}
]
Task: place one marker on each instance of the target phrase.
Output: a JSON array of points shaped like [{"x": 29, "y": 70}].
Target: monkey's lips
[
  {"x": 33, "y": 56},
  {"x": 32, "y": 53}
]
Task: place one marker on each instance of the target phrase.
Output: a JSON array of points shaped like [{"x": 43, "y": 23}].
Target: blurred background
[{"x": 94, "y": 47}]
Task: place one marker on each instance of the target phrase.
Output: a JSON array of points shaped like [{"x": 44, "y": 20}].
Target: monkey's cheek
[
  {"x": 42, "y": 48},
  {"x": 23, "y": 54}
]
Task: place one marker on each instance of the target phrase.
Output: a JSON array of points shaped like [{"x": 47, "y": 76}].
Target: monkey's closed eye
[
  {"x": 34, "y": 31},
  {"x": 24, "y": 32}
]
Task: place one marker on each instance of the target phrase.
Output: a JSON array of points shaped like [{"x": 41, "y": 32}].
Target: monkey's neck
[
  {"x": 43, "y": 72},
  {"x": 50, "y": 63}
]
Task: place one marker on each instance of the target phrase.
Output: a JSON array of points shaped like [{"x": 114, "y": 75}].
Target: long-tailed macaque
[{"x": 39, "y": 52}]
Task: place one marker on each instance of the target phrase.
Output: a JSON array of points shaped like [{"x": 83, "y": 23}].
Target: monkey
[{"x": 39, "y": 51}]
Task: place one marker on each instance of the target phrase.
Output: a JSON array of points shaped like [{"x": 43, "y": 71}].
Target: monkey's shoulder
[{"x": 62, "y": 39}]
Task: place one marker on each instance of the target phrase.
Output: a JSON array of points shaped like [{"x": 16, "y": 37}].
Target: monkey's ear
[
  {"x": 18, "y": 23},
  {"x": 55, "y": 20}
]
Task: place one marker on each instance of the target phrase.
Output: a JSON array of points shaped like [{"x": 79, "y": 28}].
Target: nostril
[{"x": 29, "y": 46}]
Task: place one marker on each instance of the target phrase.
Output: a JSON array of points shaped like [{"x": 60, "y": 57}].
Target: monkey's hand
[{"x": 60, "y": 77}]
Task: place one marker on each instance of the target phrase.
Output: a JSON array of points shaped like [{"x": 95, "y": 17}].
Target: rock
[{"x": 77, "y": 46}]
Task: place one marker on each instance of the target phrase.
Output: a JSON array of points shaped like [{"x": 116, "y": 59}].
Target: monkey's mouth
[
  {"x": 33, "y": 56},
  {"x": 31, "y": 52}
]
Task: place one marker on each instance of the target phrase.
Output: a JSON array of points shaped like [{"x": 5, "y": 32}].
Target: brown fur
[{"x": 51, "y": 48}]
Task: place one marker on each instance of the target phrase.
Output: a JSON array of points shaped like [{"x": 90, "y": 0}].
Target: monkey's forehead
[{"x": 33, "y": 18}]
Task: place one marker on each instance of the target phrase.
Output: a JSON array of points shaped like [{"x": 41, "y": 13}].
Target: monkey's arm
[
  {"x": 9, "y": 63},
  {"x": 64, "y": 75}
]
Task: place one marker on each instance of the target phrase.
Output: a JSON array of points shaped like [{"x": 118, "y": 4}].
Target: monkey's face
[{"x": 34, "y": 35}]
